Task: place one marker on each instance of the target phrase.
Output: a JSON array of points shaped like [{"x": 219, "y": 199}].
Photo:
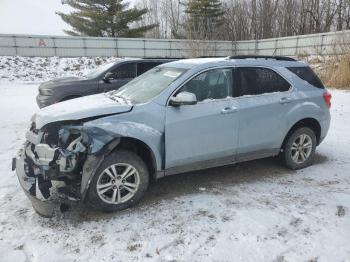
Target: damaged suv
[{"x": 181, "y": 116}]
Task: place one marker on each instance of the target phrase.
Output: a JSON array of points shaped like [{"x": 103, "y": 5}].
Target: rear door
[
  {"x": 122, "y": 74},
  {"x": 264, "y": 98},
  {"x": 204, "y": 134}
]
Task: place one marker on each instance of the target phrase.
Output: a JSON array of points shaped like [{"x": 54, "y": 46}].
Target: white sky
[{"x": 32, "y": 17}]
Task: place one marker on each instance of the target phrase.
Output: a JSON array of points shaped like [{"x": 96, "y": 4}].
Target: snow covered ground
[{"x": 255, "y": 211}]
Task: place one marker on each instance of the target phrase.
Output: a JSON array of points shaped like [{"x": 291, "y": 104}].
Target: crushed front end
[{"x": 51, "y": 165}]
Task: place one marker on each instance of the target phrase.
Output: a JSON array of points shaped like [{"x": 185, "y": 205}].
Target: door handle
[
  {"x": 229, "y": 110},
  {"x": 285, "y": 100}
]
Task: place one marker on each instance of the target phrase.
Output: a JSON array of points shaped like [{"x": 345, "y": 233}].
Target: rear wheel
[
  {"x": 299, "y": 149},
  {"x": 120, "y": 182}
]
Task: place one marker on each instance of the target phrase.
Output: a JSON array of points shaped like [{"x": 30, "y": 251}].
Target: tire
[
  {"x": 297, "y": 154},
  {"x": 118, "y": 163}
]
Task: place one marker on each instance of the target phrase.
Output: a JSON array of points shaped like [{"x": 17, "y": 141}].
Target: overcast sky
[{"x": 32, "y": 17}]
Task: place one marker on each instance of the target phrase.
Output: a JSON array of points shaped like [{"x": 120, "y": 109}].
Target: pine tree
[
  {"x": 110, "y": 18},
  {"x": 204, "y": 17}
]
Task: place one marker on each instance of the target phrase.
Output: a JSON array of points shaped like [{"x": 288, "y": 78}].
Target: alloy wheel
[
  {"x": 301, "y": 148},
  {"x": 118, "y": 183}
]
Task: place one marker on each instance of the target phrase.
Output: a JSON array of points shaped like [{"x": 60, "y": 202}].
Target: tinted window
[
  {"x": 213, "y": 84},
  {"x": 308, "y": 75},
  {"x": 99, "y": 70},
  {"x": 125, "y": 71},
  {"x": 256, "y": 80},
  {"x": 145, "y": 66}
]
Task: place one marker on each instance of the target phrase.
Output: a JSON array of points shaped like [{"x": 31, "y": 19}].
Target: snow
[
  {"x": 21, "y": 69},
  {"x": 254, "y": 211}
]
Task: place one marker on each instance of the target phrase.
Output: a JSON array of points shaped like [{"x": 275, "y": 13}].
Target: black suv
[{"x": 107, "y": 77}]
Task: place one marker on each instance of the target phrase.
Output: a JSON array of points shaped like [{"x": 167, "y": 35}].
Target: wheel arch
[
  {"x": 142, "y": 150},
  {"x": 309, "y": 122}
]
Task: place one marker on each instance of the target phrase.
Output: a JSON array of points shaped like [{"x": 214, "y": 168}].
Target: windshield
[
  {"x": 99, "y": 70},
  {"x": 147, "y": 86}
]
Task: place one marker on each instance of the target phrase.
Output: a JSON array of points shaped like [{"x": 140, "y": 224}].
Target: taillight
[{"x": 327, "y": 98}]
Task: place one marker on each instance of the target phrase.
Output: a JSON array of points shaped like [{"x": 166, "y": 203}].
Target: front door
[{"x": 205, "y": 134}]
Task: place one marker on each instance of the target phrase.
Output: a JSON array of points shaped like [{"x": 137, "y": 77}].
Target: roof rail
[{"x": 280, "y": 58}]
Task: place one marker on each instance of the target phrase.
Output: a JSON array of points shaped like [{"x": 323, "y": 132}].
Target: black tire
[
  {"x": 287, "y": 149},
  {"x": 121, "y": 156}
]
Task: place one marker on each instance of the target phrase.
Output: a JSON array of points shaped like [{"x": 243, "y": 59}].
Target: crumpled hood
[{"x": 80, "y": 108}]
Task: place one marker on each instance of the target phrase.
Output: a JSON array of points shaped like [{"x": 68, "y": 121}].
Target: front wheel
[
  {"x": 299, "y": 149},
  {"x": 120, "y": 182}
]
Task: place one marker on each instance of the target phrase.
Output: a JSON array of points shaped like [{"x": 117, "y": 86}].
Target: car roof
[
  {"x": 120, "y": 60},
  {"x": 227, "y": 61}
]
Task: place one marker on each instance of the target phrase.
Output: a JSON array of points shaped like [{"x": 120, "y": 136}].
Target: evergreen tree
[
  {"x": 205, "y": 16},
  {"x": 110, "y": 18}
]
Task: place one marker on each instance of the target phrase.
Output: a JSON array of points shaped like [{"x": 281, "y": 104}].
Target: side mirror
[
  {"x": 108, "y": 77},
  {"x": 183, "y": 98}
]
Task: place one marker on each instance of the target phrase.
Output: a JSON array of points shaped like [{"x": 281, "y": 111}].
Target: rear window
[
  {"x": 308, "y": 75},
  {"x": 258, "y": 80}
]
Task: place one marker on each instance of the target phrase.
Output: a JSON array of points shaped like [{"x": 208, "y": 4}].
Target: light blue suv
[{"x": 180, "y": 116}]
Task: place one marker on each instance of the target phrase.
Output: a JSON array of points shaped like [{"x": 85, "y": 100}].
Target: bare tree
[
  {"x": 172, "y": 12},
  {"x": 250, "y": 19}
]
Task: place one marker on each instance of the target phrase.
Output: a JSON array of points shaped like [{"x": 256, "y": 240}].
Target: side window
[
  {"x": 213, "y": 84},
  {"x": 256, "y": 80},
  {"x": 125, "y": 71},
  {"x": 307, "y": 75},
  {"x": 145, "y": 66}
]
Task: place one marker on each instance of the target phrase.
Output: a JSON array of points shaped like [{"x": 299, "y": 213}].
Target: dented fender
[
  {"x": 150, "y": 136},
  {"x": 103, "y": 138}
]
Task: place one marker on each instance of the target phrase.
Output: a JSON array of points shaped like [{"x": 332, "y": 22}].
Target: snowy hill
[{"x": 39, "y": 69}]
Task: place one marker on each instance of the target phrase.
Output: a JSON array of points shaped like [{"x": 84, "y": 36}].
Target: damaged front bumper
[
  {"x": 29, "y": 183},
  {"x": 54, "y": 176}
]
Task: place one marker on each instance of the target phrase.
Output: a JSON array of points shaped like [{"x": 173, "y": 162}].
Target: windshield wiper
[
  {"x": 115, "y": 97},
  {"x": 123, "y": 98}
]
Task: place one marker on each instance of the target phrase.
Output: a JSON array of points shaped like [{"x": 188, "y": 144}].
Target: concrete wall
[{"x": 64, "y": 46}]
